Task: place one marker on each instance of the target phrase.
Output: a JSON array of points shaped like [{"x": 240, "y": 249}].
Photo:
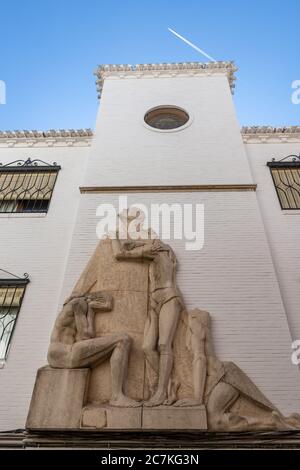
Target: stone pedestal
[
  {"x": 58, "y": 398},
  {"x": 160, "y": 417},
  {"x": 172, "y": 417},
  {"x": 111, "y": 417}
]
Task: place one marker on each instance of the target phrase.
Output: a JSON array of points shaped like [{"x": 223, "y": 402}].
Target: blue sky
[{"x": 49, "y": 49}]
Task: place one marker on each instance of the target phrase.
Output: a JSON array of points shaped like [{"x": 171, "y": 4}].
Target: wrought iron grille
[
  {"x": 27, "y": 186},
  {"x": 11, "y": 297},
  {"x": 286, "y": 178}
]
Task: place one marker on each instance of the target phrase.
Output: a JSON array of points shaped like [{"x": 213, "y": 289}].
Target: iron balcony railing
[
  {"x": 286, "y": 177},
  {"x": 27, "y": 186}
]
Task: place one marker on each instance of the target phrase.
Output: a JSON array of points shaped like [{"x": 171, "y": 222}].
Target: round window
[{"x": 166, "y": 117}]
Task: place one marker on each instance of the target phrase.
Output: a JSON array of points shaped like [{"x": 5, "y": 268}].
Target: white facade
[
  {"x": 39, "y": 245},
  {"x": 246, "y": 274},
  {"x": 282, "y": 226}
]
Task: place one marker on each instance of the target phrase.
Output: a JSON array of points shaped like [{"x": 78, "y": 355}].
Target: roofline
[
  {"x": 34, "y": 134},
  {"x": 50, "y": 138},
  {"x": 262, "y": 134},
  {"x": 71, "y": 136},
  {"x": 164, "y": 70},
  {"x": 270, "y": 130}
]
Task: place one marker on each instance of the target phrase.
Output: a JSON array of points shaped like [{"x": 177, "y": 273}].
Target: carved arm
[
  {"x": 80, "y": 309},
  {"x": 142, "y": 250}
]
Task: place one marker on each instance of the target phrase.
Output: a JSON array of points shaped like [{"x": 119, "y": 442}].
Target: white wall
[
  {"x": 209, "y": 151},
  {"x": 282, "y": 226},
  {"x": 39, "y": 246}
]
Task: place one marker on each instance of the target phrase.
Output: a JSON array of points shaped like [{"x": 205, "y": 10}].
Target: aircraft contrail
[{"x": 192, "y": 45}]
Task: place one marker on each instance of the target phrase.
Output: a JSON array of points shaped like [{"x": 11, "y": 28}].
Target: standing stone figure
[
  {"x": 165, "y": 307},
  {"x": 74, "y": 344}
]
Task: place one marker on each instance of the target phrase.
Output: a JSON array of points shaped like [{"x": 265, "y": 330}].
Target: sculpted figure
[
  {"x": 165, "y": 305},
  {"x": 73, "y": 342},
  {"x": 219, "y": 384}
]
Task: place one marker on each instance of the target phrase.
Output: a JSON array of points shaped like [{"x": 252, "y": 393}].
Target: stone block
[
  {"x": 111, "y": 417},
  {"x": 172, "y": 417},
  {"x": 93, "y": 417},
  {"x": 58, "y": 398}
]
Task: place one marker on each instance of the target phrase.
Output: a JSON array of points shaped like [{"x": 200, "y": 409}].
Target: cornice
[
  {"x": 164, "y": 70},
  {"x": 50, "y": 138},
  {"x": 83, "y": 137},
  {"x": 269, "y": 134},
  {"x": 168, "y": 188}
]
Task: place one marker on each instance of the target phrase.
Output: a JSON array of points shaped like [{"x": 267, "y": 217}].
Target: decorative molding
[
  {"x": 50, "y": 138},
  {"x": 265, "y": 134},
  {"x": 44, "y": 134},
  {"x": 83, "y": 137},
  {"x": 169, "y": 188},
  {"x": 164, "y": 70}
]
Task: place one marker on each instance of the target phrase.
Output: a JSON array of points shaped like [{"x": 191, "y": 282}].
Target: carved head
[
  {"x": 199, "y": 316},
  {"x": 100, "y": 300}
]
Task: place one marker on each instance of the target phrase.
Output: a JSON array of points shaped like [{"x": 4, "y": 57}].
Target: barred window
[
  {"x": 286, "y": 178},
  {"x": 27, "y": 186},
  {"x": 11, "y": 296}
]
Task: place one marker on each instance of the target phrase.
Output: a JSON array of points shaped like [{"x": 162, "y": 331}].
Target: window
[
  {"x": 166, "y": 117},
  {"x": 27, "y": 186},
  {"x": 286, "y": 178},
  {"x": 11, "y": 296}
]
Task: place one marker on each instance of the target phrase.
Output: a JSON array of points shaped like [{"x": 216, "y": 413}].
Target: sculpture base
[
  {"x": 58, "y": 398},
  {"x": 111, "y": 417},
  {"x": 160, "y": 417},
  {"x": 172, "y": 417},
  {"x": 59, "y": 402}
]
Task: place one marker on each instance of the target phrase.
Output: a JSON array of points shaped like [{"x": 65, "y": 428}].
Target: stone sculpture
[
  {"x": 219, "y": 384},
  {"x": 176, "y": 384},
  {"x": 74, "y": 344}
]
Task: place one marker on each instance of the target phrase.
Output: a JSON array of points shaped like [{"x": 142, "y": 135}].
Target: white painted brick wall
[
  {"x": 282, "y": 226},
  {"x": 39, "y": 246},
  {"x": 209, "y": 151}
]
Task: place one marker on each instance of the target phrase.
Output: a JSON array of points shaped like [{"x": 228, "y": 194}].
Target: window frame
[
  {"x": 284, "y": 165},
  {"x": 30, "y": 166},
  {"x": 170, "y": 107},
  {"x": 9, "y": 283}
]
